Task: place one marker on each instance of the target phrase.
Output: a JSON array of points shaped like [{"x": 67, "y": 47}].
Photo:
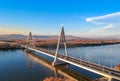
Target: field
[
  {"x": 52, "y": 43},
  {"x": 8, "y": 45},
  {"x": 46, "y": 43}
]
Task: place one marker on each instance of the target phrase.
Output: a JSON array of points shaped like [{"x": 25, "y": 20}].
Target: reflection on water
[
  {"x": 57, "y": 73},
  {"x": 30, "y": 58},
  {"x": 61, "y": 69},
  {"x": 15, "y": 66},
  {"x": 20, "y": 66}
]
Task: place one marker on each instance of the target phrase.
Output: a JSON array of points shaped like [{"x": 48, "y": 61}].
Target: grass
[
  {"x": 7, "y": 45},
  {"x": 52, "y": 43}
]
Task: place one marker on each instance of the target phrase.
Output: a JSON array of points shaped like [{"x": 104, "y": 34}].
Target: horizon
[
  {"x": 79, "y": 18},
  {"x": 91, "y": 37}
]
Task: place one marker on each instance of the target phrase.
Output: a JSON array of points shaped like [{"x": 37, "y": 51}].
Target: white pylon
[
  {"x": 30, "y": 40},
  {"x": 61, "y": 39}
]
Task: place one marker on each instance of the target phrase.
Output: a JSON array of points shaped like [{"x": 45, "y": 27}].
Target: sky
[{"x": 45, "y": 17}]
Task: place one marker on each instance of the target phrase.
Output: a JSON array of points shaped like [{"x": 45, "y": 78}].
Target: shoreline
[
  {"x": 8, "y": 46},
  {"x": 52, "y": 43},
  {"x": 12, "y": 46}
]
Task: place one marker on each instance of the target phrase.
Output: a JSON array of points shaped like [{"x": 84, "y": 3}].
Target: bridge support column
[
  {"x": 30, "y": 40},
  {"x": 109, "y": 78},
  {"x": 61, "y": 39},
  {"x": 55, "y": 72}
]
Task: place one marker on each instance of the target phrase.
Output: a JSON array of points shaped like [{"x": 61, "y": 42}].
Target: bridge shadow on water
[{"x": 65, "y": 71}]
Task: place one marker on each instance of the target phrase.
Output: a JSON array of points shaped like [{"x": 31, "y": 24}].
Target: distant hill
[
  {"x": 114, "y": 37},
  {"x": 19, "y": 36},
  {"x": 102, "y": 37},
  {"x": 12, "y": 36}
]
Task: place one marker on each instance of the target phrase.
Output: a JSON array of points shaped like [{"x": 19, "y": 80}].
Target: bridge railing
[{"x": 95, "y": 66}]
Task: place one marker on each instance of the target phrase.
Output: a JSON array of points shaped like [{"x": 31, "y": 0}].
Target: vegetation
[
  {"x": 46, "y": 43},
  {"x": 55, "y": 79},
  {"x": 7, "y": 45},
  {"x": 117, "y": 67},
  {"x": 52, "y": 43}
]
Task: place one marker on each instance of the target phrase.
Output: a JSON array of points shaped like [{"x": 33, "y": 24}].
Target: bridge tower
[
  {"x": 61, "y": 39},
  {"x": 30, "y": 41}
]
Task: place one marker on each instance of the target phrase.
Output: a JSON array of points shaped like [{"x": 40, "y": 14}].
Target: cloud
[
  {"x": 106, "y": 24},
  {"x": 113, "y": 17},
  {"x": 108, "y": 27}
]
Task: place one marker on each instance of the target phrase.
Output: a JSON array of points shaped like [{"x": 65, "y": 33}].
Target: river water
[
  {"x": 15, "y": 65},
  {"x": 106, "y": 55}
]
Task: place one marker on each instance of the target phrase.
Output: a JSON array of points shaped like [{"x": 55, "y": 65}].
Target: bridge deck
[{"x": 96, "y": 68}]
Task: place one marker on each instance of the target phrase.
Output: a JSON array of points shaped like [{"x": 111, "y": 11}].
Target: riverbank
[
  {"x": 52, "y": 43},
  {"x": 8, "y": 45},
  {"x": 117, "y": 67}
]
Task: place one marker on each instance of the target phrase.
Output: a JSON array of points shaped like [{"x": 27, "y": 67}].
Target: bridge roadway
[{"x": 96, "y": 68}]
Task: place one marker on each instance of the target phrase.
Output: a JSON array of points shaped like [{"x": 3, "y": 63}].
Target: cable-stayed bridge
[{"x": 93, "y": 67}]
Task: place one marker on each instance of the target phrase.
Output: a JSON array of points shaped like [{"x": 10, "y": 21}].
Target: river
[{"x": 15, "y": 65}]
